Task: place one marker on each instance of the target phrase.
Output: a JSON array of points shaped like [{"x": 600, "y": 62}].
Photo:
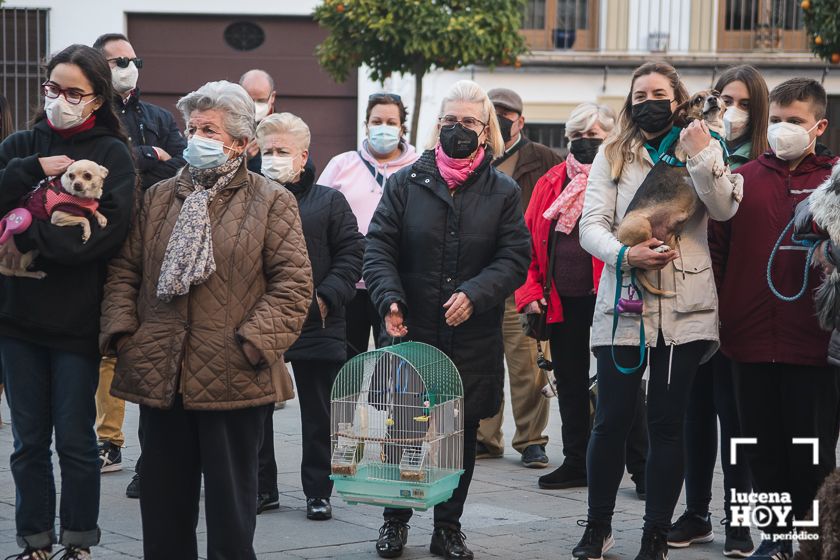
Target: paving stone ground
[{"x": 507, "y": 515}]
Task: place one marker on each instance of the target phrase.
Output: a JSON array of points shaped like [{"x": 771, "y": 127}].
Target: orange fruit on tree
[
  {"x": 835, "y": 58},
  {"x": 818, "y": 40},
  {"x": 806, "y": 5},
  {"x": 340, "y": 8}
]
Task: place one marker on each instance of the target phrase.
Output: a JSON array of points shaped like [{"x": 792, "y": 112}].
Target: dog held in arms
[
  {"x": 667, "y": 199},
  {"x": 69, "y": 200}
]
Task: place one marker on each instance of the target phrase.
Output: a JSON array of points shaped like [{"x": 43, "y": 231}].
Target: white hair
[
  {"x": 587, "y": 115},
  {"x": 236, "y": 105},
  {"x": 285, "y": 123},
  {"x": 470, "y": 92}
]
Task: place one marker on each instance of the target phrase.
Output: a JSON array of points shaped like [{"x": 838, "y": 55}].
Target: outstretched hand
[{"x": 395, "y": 322}]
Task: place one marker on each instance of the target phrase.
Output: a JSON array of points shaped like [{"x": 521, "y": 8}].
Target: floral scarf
[
  {"x": 568, "y": 207},
  {"x": 188, "y": 260}
]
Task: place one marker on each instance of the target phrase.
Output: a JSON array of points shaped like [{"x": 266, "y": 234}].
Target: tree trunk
[{"x": 419, "y": 72}]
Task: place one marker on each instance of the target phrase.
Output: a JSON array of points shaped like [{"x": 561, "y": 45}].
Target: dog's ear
[
  {"x": 103, "y": 170},
  {"x": 681, "y": 114}
]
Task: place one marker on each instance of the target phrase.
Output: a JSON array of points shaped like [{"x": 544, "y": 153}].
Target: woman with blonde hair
[
  {"x": 671, "y": 335},
  {"x": 446, "y": 246}
]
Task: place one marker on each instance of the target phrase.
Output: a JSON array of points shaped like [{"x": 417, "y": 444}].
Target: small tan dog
[
  {"x": 83, "y": 181},
  {"x": 666, "y": 199},
  {"x": 69, "y": 200}
]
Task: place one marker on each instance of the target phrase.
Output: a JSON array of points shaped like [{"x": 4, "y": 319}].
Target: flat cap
[{"x": 506, "y": 98}]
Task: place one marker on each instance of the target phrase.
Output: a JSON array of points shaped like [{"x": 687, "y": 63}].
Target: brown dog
[
  {"x": 828, "y": 545},
  {"x": 666, "y": 199}
]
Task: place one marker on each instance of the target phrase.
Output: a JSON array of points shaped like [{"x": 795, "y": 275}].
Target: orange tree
[
  {"x": 822, "y": 20},
  {"x": 415, "y": 36}
]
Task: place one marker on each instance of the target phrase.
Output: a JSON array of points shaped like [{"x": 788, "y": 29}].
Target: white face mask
[
  {"x": 260, "y": 110},
  {"x": 63, "y": 114},
  {"x": 735, "y": 121},
  {"x": 789, "y": 141},
  {"x": 279, "y": 168},
  {"x": 124, "y": 79}
]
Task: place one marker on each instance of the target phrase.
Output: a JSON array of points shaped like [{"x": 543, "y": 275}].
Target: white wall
[{"x": 82, "y": 21}]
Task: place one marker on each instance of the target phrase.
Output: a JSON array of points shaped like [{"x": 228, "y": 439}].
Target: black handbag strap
[
  {"x": 549, "y": 274},
  {"x": 376, "y": 176}
]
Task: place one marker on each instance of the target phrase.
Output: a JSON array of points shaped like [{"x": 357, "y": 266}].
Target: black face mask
[
  {"x": 457, "y": 141},
  {"x": 652, "y": 115},
  {"x": 585, "y": 149},
  {"x": 505, "y": 125}
]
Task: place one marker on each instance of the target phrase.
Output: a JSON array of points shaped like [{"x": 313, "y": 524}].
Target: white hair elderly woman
[
  {"x": 571, "y": 275},
  {"x": 446, "y": 246},
  {"x": 335, "y": 249},
  {"x": 209, "y": 291}
]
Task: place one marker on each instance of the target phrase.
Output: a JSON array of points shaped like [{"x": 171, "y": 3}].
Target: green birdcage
[{"x": 398, "y": 427}]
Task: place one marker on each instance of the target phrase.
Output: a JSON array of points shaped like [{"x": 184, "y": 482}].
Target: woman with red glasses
[{"x": 49, "y": 327}]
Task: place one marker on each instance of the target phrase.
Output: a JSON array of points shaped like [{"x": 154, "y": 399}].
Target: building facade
[{"x": 581, "y": 50}]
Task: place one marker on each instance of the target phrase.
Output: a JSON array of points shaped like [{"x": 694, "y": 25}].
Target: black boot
[
  {"x": 450, "y": 544},
  {"x": 318, "y": 509},
  {"x": 654, "y": 546},
  {"x": 392, "y": 538},
  {"x": 563, "y": 476}
]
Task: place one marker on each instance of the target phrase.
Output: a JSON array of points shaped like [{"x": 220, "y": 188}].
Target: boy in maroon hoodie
[{"x": 784, "y": 385}]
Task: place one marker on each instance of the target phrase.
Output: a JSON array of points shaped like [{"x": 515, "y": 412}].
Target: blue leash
[
  {"x": 812, "y": 247},
  {"x": 618, "y": 284}
]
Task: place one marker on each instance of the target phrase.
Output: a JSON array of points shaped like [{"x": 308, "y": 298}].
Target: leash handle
[
  {"x": 642, "y": 342},
  {"x": 812, "y": 247}
]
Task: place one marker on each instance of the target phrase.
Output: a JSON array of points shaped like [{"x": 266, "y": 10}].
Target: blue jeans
[{"x": 51, "y": 389}]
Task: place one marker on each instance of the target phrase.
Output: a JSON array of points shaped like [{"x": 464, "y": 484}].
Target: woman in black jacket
[
  {"x": 335, "y": 249},
  {"x": 49, "y": 327},
  {"x": 446, "y": 246}
]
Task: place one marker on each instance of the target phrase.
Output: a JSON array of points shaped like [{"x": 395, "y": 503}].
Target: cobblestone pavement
[{"x": 507, "y": 515}]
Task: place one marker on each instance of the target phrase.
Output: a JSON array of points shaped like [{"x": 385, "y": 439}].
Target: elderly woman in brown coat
[{"x": 211, "y": 288}]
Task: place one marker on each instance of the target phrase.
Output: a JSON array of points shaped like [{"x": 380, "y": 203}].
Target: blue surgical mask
[
  {"x": 205, "y": 153},
  {"x": 383, "y": 138}
]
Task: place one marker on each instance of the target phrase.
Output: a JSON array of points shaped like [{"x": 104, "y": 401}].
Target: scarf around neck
[
  {"x": 455, "y": 171},
  {"x": 568, "y": 207},
  {"x": 189, "y": 260}
]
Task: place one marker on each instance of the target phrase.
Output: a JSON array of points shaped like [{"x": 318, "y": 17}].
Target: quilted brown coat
[{"x": 260, "y": 292}]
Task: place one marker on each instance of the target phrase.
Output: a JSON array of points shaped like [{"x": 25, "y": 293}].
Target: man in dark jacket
[
  {"x": 785, "y": 388},
  {"x": 260, "y": 87},
  {"x": 157, "y": 146},
  {"x": 525, "y": 161},
  {"x": 158, "y": 142},
  {"x": 335, "y": 249}
]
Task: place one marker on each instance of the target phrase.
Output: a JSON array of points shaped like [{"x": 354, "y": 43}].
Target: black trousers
[
  {"x": 779, "y": 402},
  {"x": 361, "y": 318},
  {"x": 712, "y": 397},
  {"x": 448, "y": 513},
  {"x": 267, "y": 463},
  {"x": 571, "y": 356},
  {"x": 666, "y": 406},
  {"x": 179, "y": 447}
]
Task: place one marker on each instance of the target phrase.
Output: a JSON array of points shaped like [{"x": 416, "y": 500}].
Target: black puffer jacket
[
  {"x": 150, "y": 126},
  {"x": 426, "y": 243},
  {"x": 335, "y": 249},
  {"x": 62, "y": 310}
]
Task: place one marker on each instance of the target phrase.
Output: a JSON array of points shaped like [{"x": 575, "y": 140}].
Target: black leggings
[
  {"x": 617, "y": 398},
  {"x": 712, "y": 397}
]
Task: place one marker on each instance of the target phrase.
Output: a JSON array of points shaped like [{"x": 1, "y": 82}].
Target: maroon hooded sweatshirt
[{"x": 755, "y": 325}]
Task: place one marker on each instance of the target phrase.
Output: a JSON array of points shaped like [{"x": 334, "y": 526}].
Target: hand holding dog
[
  {"x": 459, "y": 309},
  {"x": 395, "y": 322},
  {"x": 55, "y": 165},
  {"x": 643, "y": 255},
  {"x": 820, "y": 260},
  {"x": 695, "y": 138}
]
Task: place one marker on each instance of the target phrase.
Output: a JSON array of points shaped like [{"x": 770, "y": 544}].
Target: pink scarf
[
  {"x": 569, "y": 205},
  {"x": 455, "y": 171}
]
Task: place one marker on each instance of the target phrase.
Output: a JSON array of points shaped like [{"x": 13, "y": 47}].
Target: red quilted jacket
[{"x": 546, "y": 191}]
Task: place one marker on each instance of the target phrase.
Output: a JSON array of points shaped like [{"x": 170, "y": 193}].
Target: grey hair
[
  {"x": 285, "y": 123},
  {"x": 265, "y": 74},
  {"x": 586, "y": 115},
  {"x": 232, "y": 99}
]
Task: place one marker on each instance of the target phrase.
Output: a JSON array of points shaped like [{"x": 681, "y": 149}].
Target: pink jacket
[{"x": 348, "y": 173}]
